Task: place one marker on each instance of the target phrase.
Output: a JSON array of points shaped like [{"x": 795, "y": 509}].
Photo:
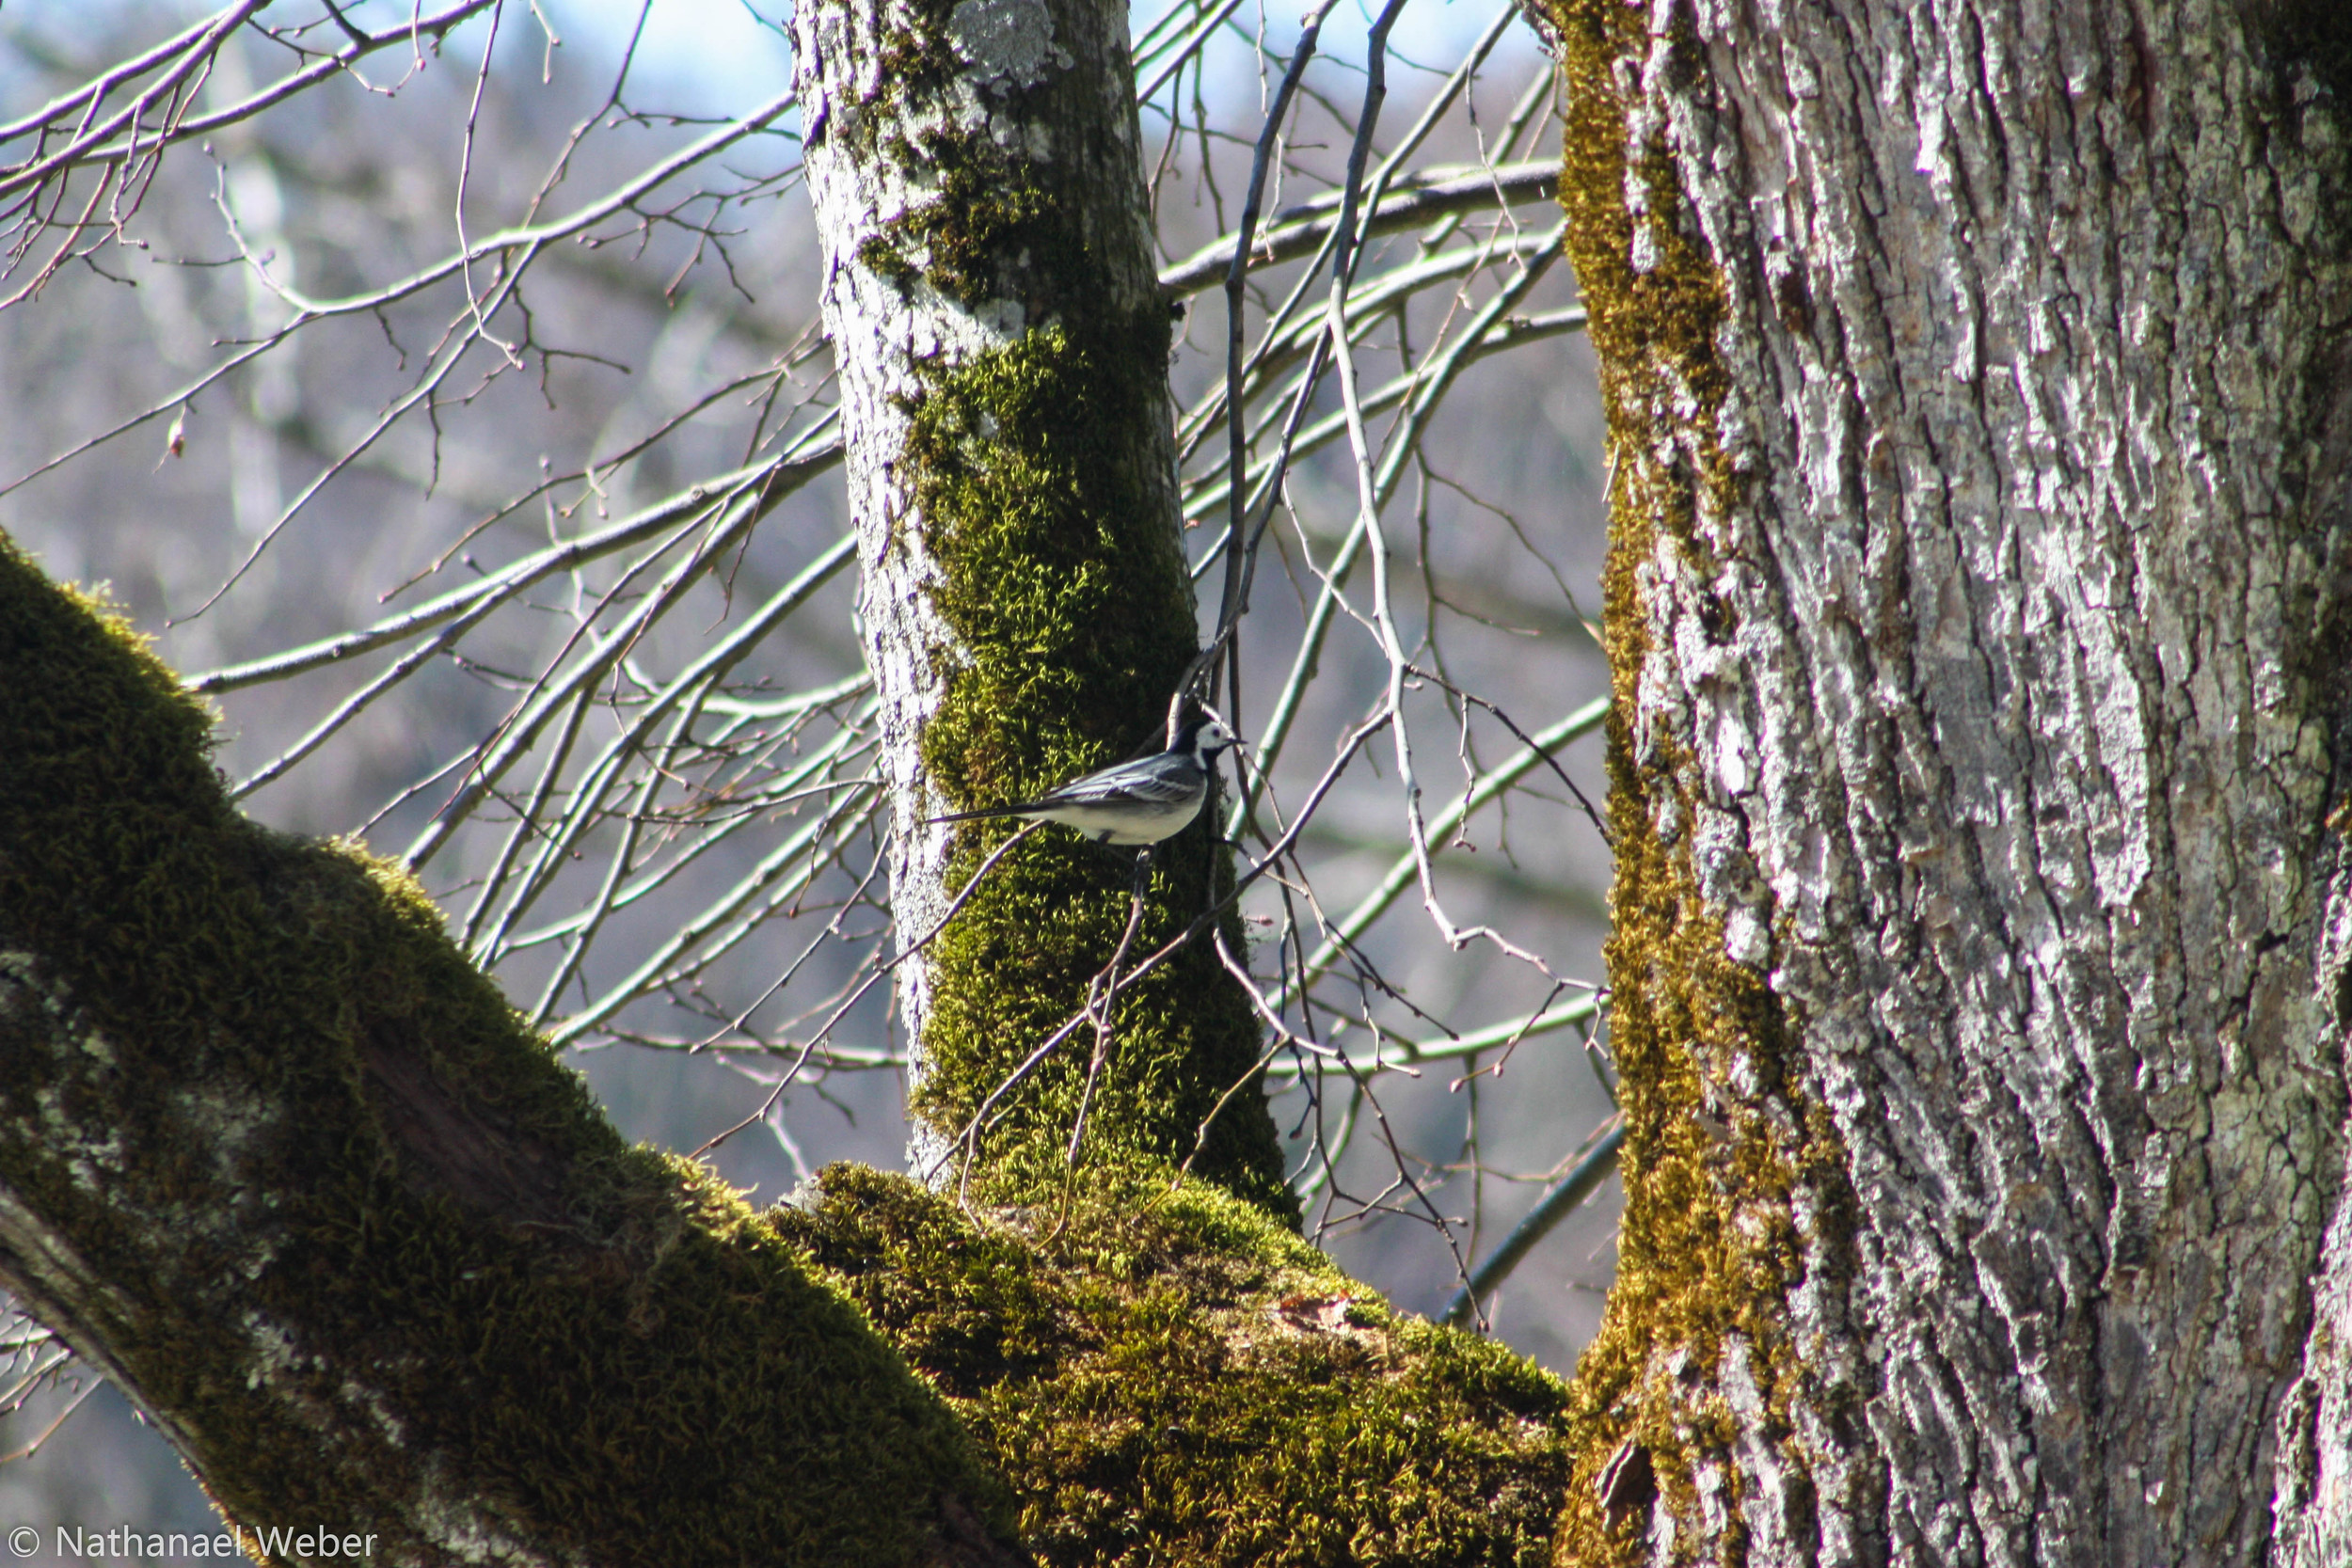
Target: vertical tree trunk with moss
[
  {"x": 1977, "y": 610},
  {"x": 1003, "y": 353}
]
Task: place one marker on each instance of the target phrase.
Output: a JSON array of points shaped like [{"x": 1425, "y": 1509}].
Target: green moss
[
  {"x": 619, "y": 1356},
  {"x": 1074, "y": 620},
  {"x": 1172, "y": 1377},
  {"x": 980, "y": 237},
  {"x": 1038, "y": 475},
  {"x": 988, "y": 228},
  {"x": 1709, "y": 1247}
]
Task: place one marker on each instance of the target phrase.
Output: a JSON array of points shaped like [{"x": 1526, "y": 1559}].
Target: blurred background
[{"x": 500, "y": 337}]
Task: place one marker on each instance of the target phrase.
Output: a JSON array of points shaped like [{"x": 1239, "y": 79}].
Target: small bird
[{"x": 1137, "y": 803}]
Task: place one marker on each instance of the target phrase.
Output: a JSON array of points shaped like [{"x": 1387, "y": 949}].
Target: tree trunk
[
  {"x": 1976, "y": 378},
  {"x": 1002, "y": 342}
]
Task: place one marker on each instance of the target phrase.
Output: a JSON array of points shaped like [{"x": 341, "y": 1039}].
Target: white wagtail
[{"x": 1137, "y": 803}]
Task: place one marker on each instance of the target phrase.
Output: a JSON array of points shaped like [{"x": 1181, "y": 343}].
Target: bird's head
[{"x": 1205, "y": 738}]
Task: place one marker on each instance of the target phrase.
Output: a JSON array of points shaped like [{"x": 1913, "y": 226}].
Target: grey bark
[{"x": 2014, "y": 691}]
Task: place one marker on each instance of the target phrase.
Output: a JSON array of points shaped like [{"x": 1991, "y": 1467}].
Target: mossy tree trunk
[
  {"x": 1003, "y": 345},
  {"x": 1976, "y": 381}
]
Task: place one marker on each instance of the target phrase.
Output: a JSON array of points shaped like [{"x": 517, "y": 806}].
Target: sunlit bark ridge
[{"x": 1977, "y": 617}]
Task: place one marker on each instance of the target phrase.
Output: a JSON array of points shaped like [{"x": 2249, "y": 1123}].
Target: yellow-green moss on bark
[
  {"x": 1710, "y": 1246},
  {"x": 1000, "y": 201},
  {"x": 1172, "y": 1377},
  {"x": 221, "y": 1053},
  {"x": 1062, "y": 579}
]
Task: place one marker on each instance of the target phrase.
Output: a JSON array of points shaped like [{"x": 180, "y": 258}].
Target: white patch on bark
[{"x": 1008, "y": 43}]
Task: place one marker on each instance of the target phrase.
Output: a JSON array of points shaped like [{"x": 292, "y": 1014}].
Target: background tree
[{"x": 537, "y": 810}]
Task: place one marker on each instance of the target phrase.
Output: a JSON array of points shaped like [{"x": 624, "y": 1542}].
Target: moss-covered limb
[
  {"x": 283, "y": 1163},
  {"x": 1170, "y": 1377},
  {"x": 977, "y": 176},
  {"x": 1734, "y": 1180}
]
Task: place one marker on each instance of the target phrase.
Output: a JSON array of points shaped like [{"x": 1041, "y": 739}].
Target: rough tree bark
[{"x": 1976, "y": 377}]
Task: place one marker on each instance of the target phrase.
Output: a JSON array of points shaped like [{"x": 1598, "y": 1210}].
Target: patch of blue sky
[
  {"x": 715, "y": 57},
  {"x": 728, "y": 56}
]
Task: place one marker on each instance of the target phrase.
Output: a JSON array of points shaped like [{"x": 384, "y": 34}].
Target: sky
[
  {"x": 729, "y": 56},
  {"x": 732, "y": 52}
]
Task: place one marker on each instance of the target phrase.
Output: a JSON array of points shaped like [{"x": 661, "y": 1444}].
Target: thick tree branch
[{"x": 289, "y": 1171}]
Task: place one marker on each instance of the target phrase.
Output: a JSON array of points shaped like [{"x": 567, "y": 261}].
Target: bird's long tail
[{"x": 974, "y": 815}]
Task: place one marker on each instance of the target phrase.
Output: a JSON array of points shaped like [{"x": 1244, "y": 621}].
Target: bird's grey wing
[{"x": 1147, "y": 783}]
